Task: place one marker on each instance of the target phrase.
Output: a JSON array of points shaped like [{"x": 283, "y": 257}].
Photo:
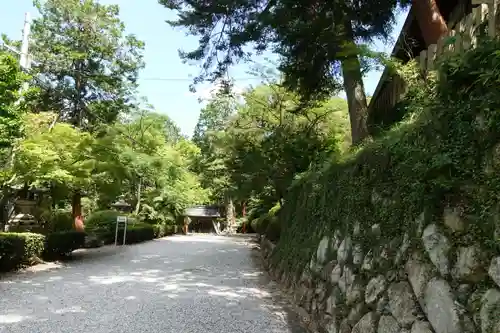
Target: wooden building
[
  {"x": 203, "y": 217},
  {"x": 410, "y": 45}
]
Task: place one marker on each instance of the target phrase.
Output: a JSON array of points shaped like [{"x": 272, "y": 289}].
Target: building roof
[
  {"x": 410, "y": 41},
  {"x": 203, "y": 211},
  {"x": 395, "y": 50}
]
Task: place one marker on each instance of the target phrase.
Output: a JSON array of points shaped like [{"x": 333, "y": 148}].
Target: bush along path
[
  {"x": 19, "y": 250},
  {"x": 404, "y": 233}
]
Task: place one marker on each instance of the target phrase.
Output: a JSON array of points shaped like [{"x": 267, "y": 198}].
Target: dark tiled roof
[{"x": 203, "y": 211}]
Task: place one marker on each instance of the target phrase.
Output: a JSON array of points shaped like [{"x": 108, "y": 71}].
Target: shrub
[
  {"x": 102, "y": 219},
  {"x": 273, "y": 229},
  {"x": 162, "y": 230},
  {"x": 262, "y": 223},
  {"x": 136, "y": 233},
  {"x": 171, "y": 230},
  {"x": 17, "y": 249},
  {"x": 254, "y": 224},
  {"x": 61, "y": 220},
  {"x": 63, "y": 243},
  {"x": 159, "y": 230},
  {"x": 274, "y": 211}
]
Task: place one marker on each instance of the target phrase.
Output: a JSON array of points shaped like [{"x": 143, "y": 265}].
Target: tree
[
  {"x": 317, "y": 42},
  {"x": 60, "y": 158},
  {"x": 135, "y": 158},
  {"x": 269, "y": 145},
  {"x": 209, "y": 137},
  {"x": 251, "y": 152},
  {"x": 11, "y": 80},
  {"x": 88, "y": 67}
]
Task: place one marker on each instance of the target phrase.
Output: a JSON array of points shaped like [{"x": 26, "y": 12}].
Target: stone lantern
[{"x": 123, "y": 207}]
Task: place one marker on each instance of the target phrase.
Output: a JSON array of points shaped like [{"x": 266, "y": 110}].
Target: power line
[{"x": 189, "y": 79}]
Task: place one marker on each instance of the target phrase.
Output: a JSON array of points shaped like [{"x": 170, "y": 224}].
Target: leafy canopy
[
  {"x": 88, "y": 66},
  {"x": 310, "y": 36}
]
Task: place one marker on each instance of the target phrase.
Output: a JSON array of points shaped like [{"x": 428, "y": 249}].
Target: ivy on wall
[{"x": 445, "y": 152}]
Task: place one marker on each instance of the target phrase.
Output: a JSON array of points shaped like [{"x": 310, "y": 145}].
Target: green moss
[{"x": 435, "y": 157}]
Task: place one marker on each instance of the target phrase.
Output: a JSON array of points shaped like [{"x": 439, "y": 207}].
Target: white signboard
[{"x": 119, "y": 220}]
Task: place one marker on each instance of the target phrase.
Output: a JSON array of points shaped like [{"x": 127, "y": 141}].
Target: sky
[{"x": 165, "y": 80}]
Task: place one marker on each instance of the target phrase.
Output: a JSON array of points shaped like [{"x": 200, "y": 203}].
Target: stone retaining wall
[{"x": 434, "y": 279}]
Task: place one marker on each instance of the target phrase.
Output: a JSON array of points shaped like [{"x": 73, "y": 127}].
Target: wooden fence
[{"x": 464, "y": 35}]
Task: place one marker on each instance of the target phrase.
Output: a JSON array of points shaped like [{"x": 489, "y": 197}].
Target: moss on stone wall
[
  {"x": 445, "y": 155},
  {"x": 404, "y": 233}
]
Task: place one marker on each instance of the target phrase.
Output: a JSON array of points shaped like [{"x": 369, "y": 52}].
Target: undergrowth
[{"x": 444, "y": 153}]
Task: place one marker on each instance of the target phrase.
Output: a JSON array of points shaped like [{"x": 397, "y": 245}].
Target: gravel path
[{"x": 176, "y": 284}]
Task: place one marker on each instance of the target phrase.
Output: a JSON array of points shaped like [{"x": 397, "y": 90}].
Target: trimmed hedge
[
  {"x": 136, "y": 233},
  {"x": 18, "y": 249},
  {"x": 102, "y": 219},
  {"x": 61, "y": 220},
  {"x": 63, "y": 243}
]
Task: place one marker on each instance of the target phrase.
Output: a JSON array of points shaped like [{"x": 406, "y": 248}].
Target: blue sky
[{"x": 170, "y": 95}]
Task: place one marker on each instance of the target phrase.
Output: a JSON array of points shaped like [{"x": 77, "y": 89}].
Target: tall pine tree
[
  {"x": 317, "y": 40},
  {"x": 88, "y": 66}
]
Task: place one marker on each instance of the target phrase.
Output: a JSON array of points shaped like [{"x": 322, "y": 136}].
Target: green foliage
[
  {"x": 275, "y": 210},
  {"x": 136, "y": 157},
  {"x": 445, "y": 155},
  {"x": 62, "y": 243},
  {"x": 137, "y": 233},
  {"x": 61, "y": 220},
  {"x": 162, "y": 230},
  {"x": 86, "y": 59},
  {"x": 101, "y": 142},
  {"x": 254, "y": 224},
  {"x": 262, "y": 224},
  {"x": 252, "y": 151},
  {"x": 102, "y": 219},
  {"x": 61, "y": 156},
  {"x": 18, "y": 249},
  {"x": 311, "y": 38},
  {"x": 210, "y": 139},
  {"x": 419, "y": 93},
  {"x": 317, "y": 42},
  {"x": 273, "y": 229},
  {"x": 11, "y": 80}
]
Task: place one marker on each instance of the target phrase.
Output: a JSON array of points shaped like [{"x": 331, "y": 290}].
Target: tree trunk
[
  {"x": 185, "y": 227},
  {"x": 229, "y": 213},
  {"x": 431, "y": 22},
  {"x": 355, "y": 93},
  {"x": 138, "y": 205},
  {"x": 76, "y": 205}
]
